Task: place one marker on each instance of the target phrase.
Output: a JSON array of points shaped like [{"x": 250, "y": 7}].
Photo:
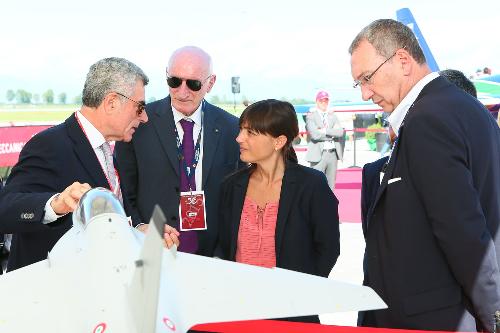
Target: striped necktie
[{"x": 110, "y": 170}]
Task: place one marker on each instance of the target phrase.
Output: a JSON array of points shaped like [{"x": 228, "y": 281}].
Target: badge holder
[{"x": 192, "y": 211}]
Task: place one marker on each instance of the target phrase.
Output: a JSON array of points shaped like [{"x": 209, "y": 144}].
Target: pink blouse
[{"x": 256, "y": 234}]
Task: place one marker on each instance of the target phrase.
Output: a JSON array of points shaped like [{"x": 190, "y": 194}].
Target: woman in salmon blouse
[{"x": 275, "y": 212}]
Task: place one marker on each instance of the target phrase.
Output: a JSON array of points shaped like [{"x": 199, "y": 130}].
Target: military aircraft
[
  {"x": 105, "y": 276},
  {"x": 488, "y": 87}
]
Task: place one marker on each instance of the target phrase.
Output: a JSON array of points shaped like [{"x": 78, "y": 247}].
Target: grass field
[{"x": 51, "y": 113}]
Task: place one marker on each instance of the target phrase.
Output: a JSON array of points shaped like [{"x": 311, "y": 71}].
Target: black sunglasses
[
  {"x": 141, "y": 106},
  {"x": 194, "y": 85}
]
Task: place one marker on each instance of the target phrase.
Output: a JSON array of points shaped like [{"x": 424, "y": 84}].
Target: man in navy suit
[
  {"x": 155, "y": 165},
  {"x": 432, "y": 229},
  {"x": 57, "y": 166},
  {"x": 371, "y": 176}
]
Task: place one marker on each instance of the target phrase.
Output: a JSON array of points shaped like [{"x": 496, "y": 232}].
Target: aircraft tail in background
[{"x": 405, "y": 16}]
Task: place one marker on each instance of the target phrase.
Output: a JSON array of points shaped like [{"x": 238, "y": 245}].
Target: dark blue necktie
[{"x": 188, "y": 239}]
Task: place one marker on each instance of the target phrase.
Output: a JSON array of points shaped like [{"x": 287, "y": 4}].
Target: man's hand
[
  {"x": 170, "y": 235},
  {"x": 67, "y": 201}
]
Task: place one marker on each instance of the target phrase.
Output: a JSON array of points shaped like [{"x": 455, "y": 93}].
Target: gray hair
[
  {"x": 387, "y": 36},
  {"x": 111, "y": 74}
]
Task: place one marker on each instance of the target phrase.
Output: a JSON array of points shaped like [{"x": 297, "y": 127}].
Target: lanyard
[
  {"x": 104, "y": 172},
  {"x": 189, "y": 169}
]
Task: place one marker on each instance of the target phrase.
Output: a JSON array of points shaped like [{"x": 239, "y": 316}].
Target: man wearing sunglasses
[
  {"x": 432, "y": 239},
  {"x": 180, "y": 157},
  {"x": 57, "y": 166}
]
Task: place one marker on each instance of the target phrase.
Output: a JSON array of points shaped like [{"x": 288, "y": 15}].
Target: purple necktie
[{"x": 188, "y": 239}]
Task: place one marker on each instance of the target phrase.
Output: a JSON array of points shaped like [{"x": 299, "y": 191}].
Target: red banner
[
  {"x": 275, "y": 326},
  {"x": 292, "y": 327},
  {"x": 13, "y": 139}
]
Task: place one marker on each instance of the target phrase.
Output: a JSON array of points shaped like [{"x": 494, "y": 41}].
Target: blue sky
[{"x": 278, "y": 48}]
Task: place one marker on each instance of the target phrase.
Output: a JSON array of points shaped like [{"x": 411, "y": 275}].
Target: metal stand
[{"x": 354, "y": 130}]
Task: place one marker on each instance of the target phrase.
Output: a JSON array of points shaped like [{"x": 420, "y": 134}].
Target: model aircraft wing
[
  {"x": 29, "y": 299},
  {"x": 41, "y": 298},
  {"x": 206, "y": 290}
]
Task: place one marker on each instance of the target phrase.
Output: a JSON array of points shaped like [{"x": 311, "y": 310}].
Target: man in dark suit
[
  {"x": 371, "y": 176},
  {"x": 57, "y": 166},
  {"x": 431, "y": 233},
  {"x": 156, "y": 167}
]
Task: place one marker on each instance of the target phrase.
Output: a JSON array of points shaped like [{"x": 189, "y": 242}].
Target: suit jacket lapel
[
  {"x": 211, "y": 136},
  {"x": 165, "y": 129},
  {"x": 434, "y": 84},
  {"x": 387, "y": 174},
  {"x": 240, "y": 190},
  {"x": 285, "y": 204},
  {"x": 319, "y": 118},
  {"x": 85, "y": 153}
]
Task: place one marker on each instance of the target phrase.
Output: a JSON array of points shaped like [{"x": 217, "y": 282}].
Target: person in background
[
  {"x": 58, "y": 165},
  {"x": 460, "y": 80},
  {"x": 272, "y": 212},
  {"x": 435, "y": 195},
  {"x": 182, "y": 154},
  {"x": 324, "y": 135}
]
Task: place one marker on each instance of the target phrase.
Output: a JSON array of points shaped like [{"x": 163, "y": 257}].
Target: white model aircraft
[{"x": 104, "y": 276}]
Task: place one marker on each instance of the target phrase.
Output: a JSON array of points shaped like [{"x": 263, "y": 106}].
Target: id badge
[{"x": 192, "y": 211}]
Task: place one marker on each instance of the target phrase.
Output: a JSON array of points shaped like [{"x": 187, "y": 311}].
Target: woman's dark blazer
[{"x": 307, "y": 228}]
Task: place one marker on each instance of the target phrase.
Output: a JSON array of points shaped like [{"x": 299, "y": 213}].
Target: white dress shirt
[
  {"x": 398, "y": 115},
  {"x": 96, "y": 140},
  {"x": 196, "y": 118}
]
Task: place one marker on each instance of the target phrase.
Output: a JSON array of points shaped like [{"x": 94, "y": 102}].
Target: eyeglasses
[
  {"x": 365, "y": 79},
  {"x": 141, "y": 106},
  {"x": 194, "y": 85}
]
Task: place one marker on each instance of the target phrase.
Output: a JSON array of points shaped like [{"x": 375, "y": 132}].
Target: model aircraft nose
[{"x": 95, "y": 202}]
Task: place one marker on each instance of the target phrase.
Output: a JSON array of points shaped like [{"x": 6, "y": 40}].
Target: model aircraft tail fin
[
  {"x": 405, "y": 16},
  {"x": 143, "y": 292}
]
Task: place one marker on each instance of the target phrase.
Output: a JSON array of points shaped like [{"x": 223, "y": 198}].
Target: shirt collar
[
  {"x": 396, "y": 117},
  {"x": 95, "y": 137},
  {"x": 196, "y": 116}
]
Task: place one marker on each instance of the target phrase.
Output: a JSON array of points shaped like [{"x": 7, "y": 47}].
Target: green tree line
[{"x": 21, "y": 96}]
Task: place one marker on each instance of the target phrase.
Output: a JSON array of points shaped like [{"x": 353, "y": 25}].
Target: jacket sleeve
[
  {"x": 127, "y": 166},
  {"x": 325, "y": 226},
  {"x": 32, "y": 182},
  {"x": 312, "y": 129},
  {"x": 336, "y": 131},
  {"x": 438, "y": 150}
]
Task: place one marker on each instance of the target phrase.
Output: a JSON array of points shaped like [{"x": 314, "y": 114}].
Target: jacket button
[
  {"x": 174, "y": 218},
  {"x": 176, "y": 189}
]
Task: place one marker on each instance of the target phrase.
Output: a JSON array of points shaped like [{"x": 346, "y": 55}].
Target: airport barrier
[{"x": 13, "y": 136}]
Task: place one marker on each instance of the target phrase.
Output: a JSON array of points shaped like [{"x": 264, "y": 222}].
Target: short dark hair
[
  {"x": 275, "y": 118},
  {"x": 387, "y": 36},
  {"x": 460, "y": 80}
]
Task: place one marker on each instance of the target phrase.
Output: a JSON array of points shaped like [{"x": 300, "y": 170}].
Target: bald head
[
  {"x": 192, "y": 65},
  {"x": 194, "y": 55}
]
